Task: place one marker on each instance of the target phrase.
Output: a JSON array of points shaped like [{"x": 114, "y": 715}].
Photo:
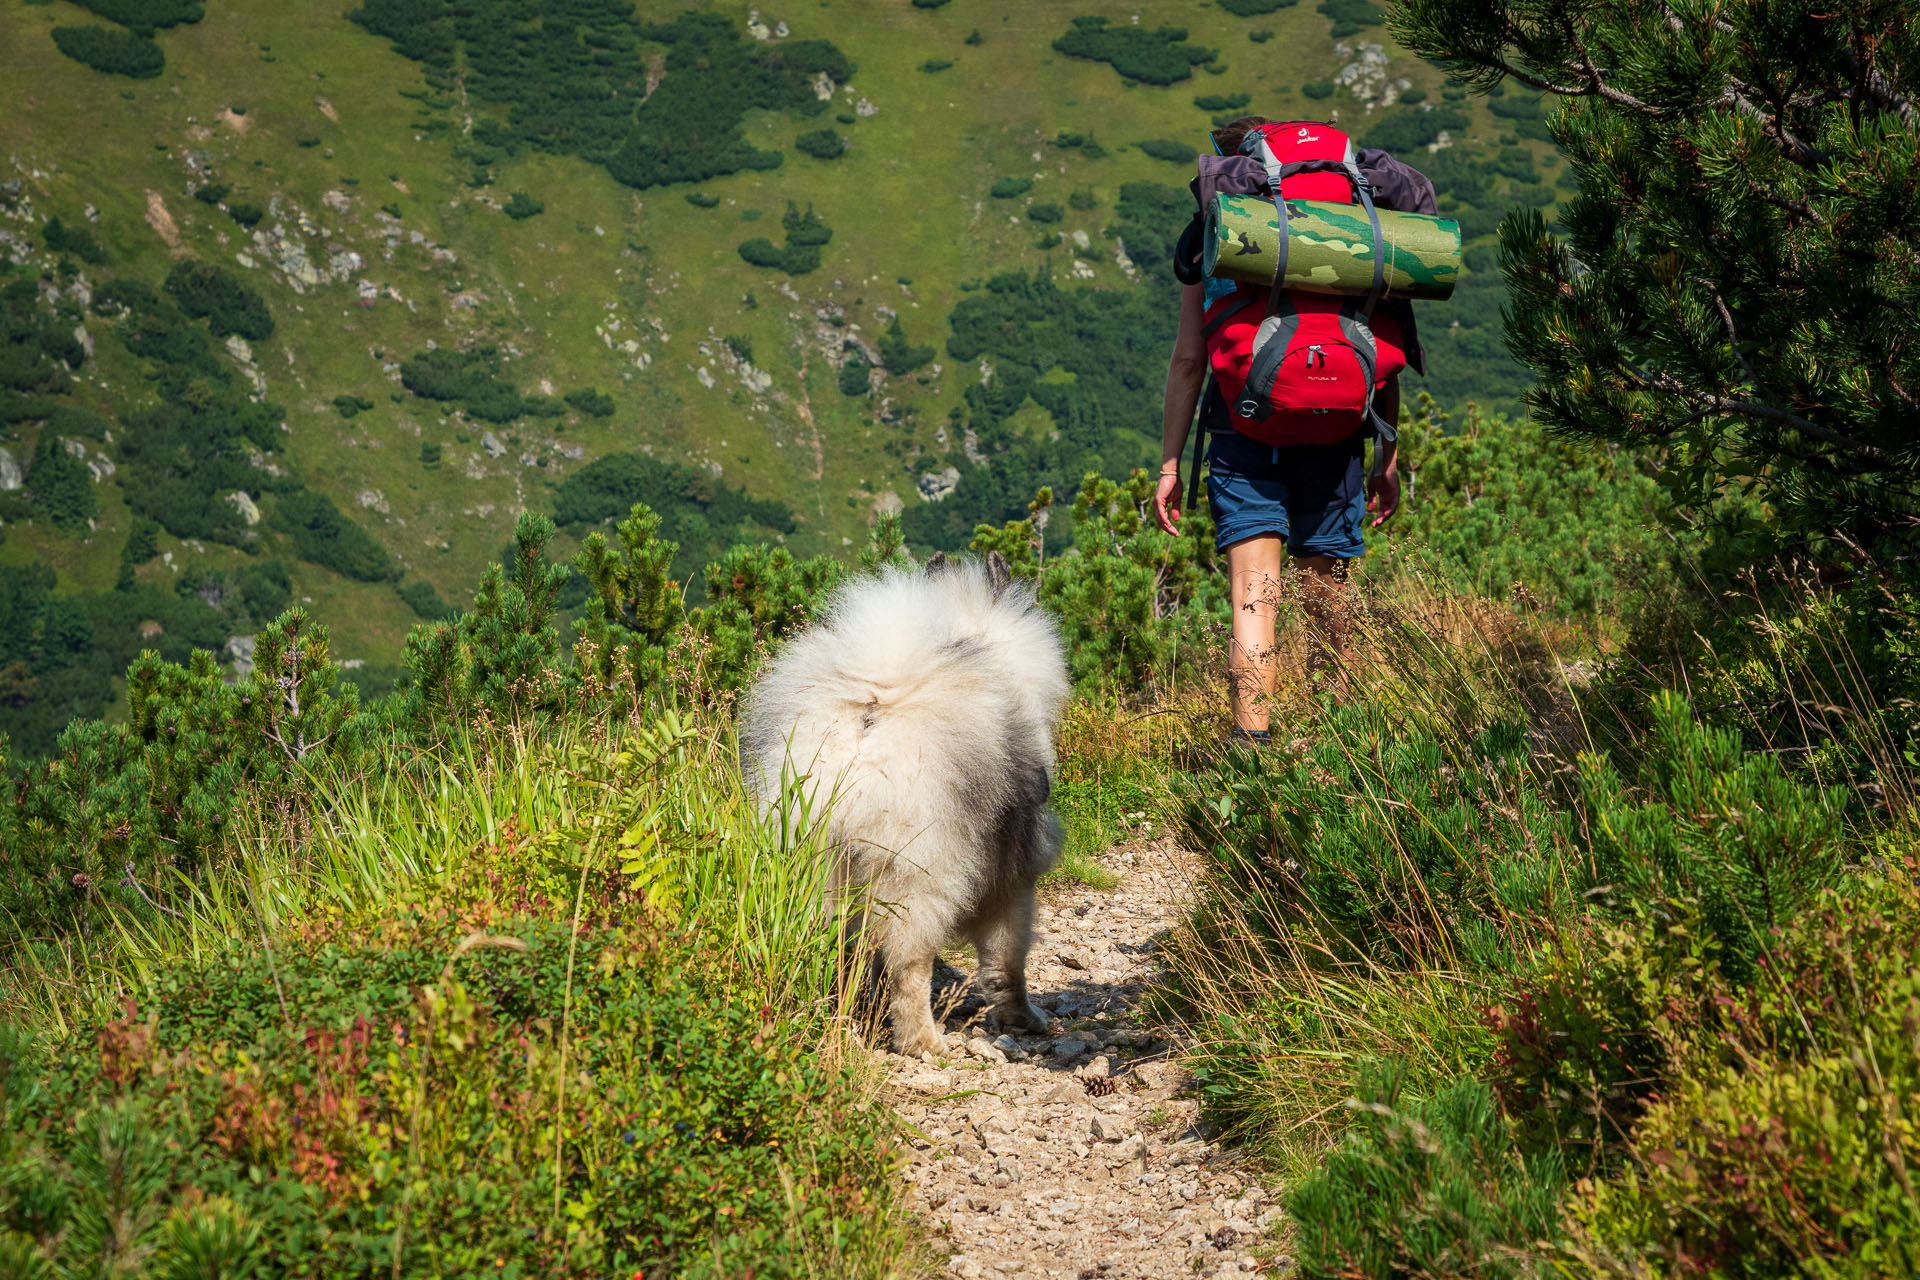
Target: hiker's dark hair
[{"x": 1228, "y": 135}]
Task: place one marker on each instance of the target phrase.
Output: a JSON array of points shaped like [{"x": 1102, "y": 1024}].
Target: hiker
[{"x": 1286, "y": 474}]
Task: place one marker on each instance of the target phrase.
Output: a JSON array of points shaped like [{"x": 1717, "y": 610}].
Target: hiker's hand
[
  {"x": 1383, "y": 494},
  {"x": 1165, "y": 495}
]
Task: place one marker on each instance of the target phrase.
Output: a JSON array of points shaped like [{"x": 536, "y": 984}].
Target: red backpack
[{"x": 1298, "y": 367}]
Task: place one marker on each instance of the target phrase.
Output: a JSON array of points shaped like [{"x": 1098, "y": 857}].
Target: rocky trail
[{"x": 1077, "y": 1154}]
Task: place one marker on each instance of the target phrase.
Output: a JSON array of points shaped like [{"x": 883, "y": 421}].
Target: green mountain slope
[{"x": 481, "y": 275}]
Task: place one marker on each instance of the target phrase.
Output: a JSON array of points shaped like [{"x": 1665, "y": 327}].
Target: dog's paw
[
  {"x": 926, "y": 1044},
  {"x": 1022, "y": 1017}
]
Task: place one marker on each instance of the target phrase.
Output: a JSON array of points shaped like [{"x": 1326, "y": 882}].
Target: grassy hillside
[{"x": 373, "y": 246}]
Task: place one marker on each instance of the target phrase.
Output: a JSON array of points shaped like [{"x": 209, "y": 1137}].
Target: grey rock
[
  {"x": 1107, "y": 1128},
  {"x": 240, "y": 654},
  {"x": 980, "y": 1048},
  {"x": 1067, "y": 1048},
  {"x": 934, "y": 486},
  {"x": 10, "y": 476},
  {"x": 491, "y": 443}
]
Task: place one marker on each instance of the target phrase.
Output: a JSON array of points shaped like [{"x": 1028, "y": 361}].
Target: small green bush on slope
[
  {"x": 356, "y": 1105},
  {"x": 405, "y": 1023},
  {"x": 120, "y": 53},
  {"x": 1161, "y": 56}
]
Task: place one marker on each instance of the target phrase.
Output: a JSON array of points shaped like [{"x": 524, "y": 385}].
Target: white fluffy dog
[{"x": 923, "y": 707}]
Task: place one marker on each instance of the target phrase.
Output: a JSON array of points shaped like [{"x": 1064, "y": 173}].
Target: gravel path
[{"x": 1076, "y": 1154}]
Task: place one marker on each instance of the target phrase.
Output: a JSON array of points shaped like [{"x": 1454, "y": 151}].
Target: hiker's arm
[
  {"x": 1186, "y": 372},
  {"x": 1383, "y": 489}
]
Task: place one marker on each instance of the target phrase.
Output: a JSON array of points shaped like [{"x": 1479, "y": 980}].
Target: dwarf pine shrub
[
  {"x": 1732, "y": 830},
  {"x": 401, "y": 1100},
  {"x": 1399, "y": 844},
  {"x": 1425, "y": 1187}
]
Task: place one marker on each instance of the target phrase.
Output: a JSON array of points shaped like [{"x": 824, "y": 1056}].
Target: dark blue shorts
[{"x": 1313, "y": 495}]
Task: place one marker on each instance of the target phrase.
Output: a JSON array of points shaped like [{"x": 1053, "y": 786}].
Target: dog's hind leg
[
  {"x": 910, "y": 986},
  {"x": 1003, "y": 941}
]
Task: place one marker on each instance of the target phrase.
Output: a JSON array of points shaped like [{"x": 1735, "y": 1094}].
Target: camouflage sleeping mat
[{"x": 1330, "y": 247}]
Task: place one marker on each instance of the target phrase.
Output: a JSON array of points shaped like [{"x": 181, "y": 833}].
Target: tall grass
[
  {"x": 605, "y": 829},
  {"x": 1438, "y": 877}
]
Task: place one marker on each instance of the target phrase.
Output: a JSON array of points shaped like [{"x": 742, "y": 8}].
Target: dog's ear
[
  {"x": 936, "y": 564},
  {"x": 999, "y": 576}
]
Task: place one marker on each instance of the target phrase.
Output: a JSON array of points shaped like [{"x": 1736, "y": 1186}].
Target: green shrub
[
  {"x": 1785, "y": 1147},
  {"x": 216, "y": 295},
  {"x": 245, "y": 213},
  {"x": 278, "y": 1146},
  {"x": 120, "y": 53},
  {"x": 351, "y": 406},
  {"x": 420, "y": 597},
  {"x": 1172, "y": 152},
  {"x": 1350, "y": 17},
  {"x": 822, "y": 144},
  {"x": 1711, "y": 822},
  {"x": 854, "y": 375},
  {"x": 1409, "y": 131},
  {"x": 1010, "y": 188},
  {"x": 806, "y": 234},
  {"x": 469, "y": 379},
  {"x": 974, "y": 38},
  {"x": 1067, "y": 140},
  {"x": 1260, "y": 35},
  {"x": 430, "y": 451},
  {"x": 1427, "y": 1188},
  {"x": 899, "y": 356},
  {"x": 807, "y": 228},
  {"x": 594, "y": 94},
  {"x": 696, "y": 510},
  {"x": 1506, "y": 509},
  {"x": 1581, "y": 1051},
  {"x": 1409, "y": 97},
  {"x": 590, "y": 401},
  {"x": 1396, "y": 843},
  {"x": 266, "y": 589},
  {"x": 134, "y": 814},
  {"x": 1222, "y": 101},
  {"x": 76, "y": 240},
  {"x": 147, "y": 15},
  {"x": 1253, "y": 9},
  {"x": 521, "y": 206},
  {"x": 211, "y": 192},
  {"x": 936, "y": 64},
  {"x": 1133, "y": 603},
  {"x": 1044, "y": 212},
  {"x": 700, "y": 200},
  {"x": 1318, "y": 90},
  {"x": 928, "y": 4},
  {"x": 60, "y": 486},
  {"x": 1160, "y": 56},
  {"x": 322, "y": 534},
  {"x": 1082, "y": 199},
  {"x": 762, "y": 252}
]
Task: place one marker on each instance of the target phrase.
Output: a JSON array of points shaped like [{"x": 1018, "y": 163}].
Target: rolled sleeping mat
[{"x": 1330, "y": 247}]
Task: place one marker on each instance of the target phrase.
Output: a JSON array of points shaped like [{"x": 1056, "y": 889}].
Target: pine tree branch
[
  {"x": 1882, "y": 94},
  {"x": 1712, "y": 404},
  {"x": 1755, "y": 409},
  {"x": 1735, "y": 94}
]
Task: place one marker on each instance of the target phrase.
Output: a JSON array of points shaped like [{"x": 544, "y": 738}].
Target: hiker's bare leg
[
  {"x": 1255, "y": 567},
  {"x": 1324, "y": 590}
]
